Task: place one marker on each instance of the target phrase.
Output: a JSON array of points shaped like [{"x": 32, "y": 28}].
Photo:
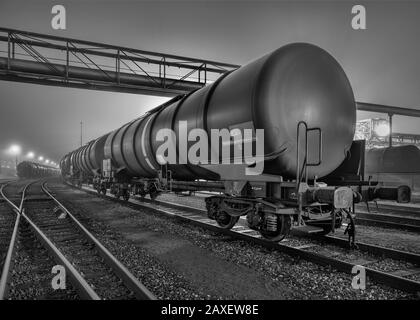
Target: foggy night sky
[{"x": 381, "y": 62}]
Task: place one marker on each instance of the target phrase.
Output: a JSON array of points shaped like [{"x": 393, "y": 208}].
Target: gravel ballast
[{"x": 303, "y": 280}]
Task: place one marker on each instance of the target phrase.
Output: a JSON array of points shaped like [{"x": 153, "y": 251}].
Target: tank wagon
[
  {"x": 302, "y": 100},
  {"x": 395, "y": 166},
  {"x": 30, "y": 170}
]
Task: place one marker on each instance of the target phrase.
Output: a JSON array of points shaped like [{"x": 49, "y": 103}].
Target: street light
[
  {"x": 47, "y": 161},
  {"x": 40, "y": 158},
  {"x": 30, "y": 155},
  {"x": 15, "y": 150}
]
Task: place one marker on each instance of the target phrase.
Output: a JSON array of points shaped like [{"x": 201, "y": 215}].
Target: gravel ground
[{"x": 304, "y": 280}]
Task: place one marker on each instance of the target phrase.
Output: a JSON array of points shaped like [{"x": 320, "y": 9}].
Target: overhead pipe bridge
[{"x": 50, "y": 60}]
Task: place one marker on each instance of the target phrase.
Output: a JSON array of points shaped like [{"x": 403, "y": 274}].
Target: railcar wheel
[
  {"x": 226, "y": 221},
  {"x": 276, "y": 227},
  {"x": 153, "y": 191},
  {"x": 212, "y": 209}
]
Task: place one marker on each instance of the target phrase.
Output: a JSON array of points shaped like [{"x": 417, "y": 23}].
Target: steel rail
[
  {"x": 78, "y": 281},
  {"x": 389, "y": 217},
  {"x": 128, "y": 278},
  {"x": 374, "y": 249},
  {"x": 388, "y": 279},
  {"x": 387, "y": 221},
  {"x": 8, "y": 262},
  {"x": 393, "y": 210}
]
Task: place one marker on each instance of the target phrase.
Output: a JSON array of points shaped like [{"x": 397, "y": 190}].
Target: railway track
[
  {"x": 324, "y": 250},
  {"x": 26, "y": 257},
  {"x": 406, "y": 210},
  {"x": 93, "y": 271},
  {"x": 388, "y": 216}
]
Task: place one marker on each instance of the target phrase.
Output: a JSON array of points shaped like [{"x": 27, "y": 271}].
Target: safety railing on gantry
[{"x": 51, "y": 60}]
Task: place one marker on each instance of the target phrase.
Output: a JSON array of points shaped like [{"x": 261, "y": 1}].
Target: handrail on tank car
[{"x": 305, "y": 165}]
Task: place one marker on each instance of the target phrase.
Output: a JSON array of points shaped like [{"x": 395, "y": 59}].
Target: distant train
[
  {"x": 298, "y": 94},
  {"x": 395, "y": 166},
  {"x": 32, "y": 170}
]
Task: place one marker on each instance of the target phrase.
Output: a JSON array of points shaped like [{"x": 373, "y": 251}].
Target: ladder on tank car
[{"x": 302, "y": 173}]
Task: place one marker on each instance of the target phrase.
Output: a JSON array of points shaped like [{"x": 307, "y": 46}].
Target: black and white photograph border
[{"x": 209, "y": 155}]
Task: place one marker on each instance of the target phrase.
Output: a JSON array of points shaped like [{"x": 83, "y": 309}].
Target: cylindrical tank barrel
[
  {"x": 95, "y": 155},
  {"x": 298, "y": 82}
]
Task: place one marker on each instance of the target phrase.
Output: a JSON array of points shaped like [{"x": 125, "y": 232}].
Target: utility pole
[
  {"x": 390, "y": 129},
  {"x": 81, "y": 133}
]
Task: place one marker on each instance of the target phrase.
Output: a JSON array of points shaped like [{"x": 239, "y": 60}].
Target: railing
[
  {"x": 50, "y": 60},
  {"x": 304, "y": 171},
  {"x": 300, "y": 173}
]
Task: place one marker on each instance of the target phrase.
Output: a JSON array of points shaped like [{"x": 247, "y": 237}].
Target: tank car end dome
[{"x": 297, "y": 82}]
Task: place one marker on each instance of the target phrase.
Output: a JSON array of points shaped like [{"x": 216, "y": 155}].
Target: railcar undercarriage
[
  {"x": 316, "y": 210},
  {"x": 273, "y": 210}
]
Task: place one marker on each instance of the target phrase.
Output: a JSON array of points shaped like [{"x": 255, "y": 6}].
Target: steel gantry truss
[{"x": 44, "y": 59}]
